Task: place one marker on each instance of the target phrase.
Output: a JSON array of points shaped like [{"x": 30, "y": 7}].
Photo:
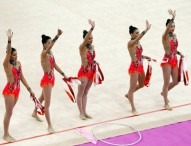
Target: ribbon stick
[
  {"x": 71, "y": 81},
  {"x": 89, "y": 136},
  {"x": 38, "y": 105},
  {"x": 98, "y": 76},
  {"x": 156, "y": 61},
  {"x": 185, "y": 71},
  {"x": 180, "y": 71}
]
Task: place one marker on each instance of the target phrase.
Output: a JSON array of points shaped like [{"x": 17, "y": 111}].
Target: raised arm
[
  {"x": 173, "y": 13},
  {"x": 53, "y": 42},
  {"x": 84, "y": 43},
  {"x": 8, "y": 54},
  {"x": 148, "y": 26}
]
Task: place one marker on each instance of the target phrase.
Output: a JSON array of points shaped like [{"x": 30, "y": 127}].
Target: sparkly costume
[
  {"x": 137, "y": 66},
  {"x": 89, "y": 70},
  {"x": 14, "y": 88},
  {"x": 172, "y": 57},
  {"x": 48, "y": 78}
]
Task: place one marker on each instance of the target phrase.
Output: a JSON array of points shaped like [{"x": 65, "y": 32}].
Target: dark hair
[
  {"x": 12, "y": 50},
  {"x": 168, "y": 21},
  {"x": 132, "y": 29},
  {"x": 45, "y": 38},
  {"x": 85, "y": 33}
]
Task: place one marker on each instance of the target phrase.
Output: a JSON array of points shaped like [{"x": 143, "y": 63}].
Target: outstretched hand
[
  {"x": 9, "y": 34},
  {"x": 92, "y": 23},
  {"x": 59, "y": 32},
  {"x": 173, "y": 13},
  {"x": 148, "y": 26}
]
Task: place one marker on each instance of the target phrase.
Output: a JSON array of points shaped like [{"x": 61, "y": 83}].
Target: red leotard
[
  {"x": 137, "y": 66},
  {"x": 172, "y": 57},
  {"x": 48, "y": 78},
  {"x": 14, "y": 88},
  {"x": 89, "y": 70}
]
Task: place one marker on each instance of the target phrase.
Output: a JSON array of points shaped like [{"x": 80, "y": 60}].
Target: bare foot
[
  {"x": 82, "y": 117},
  {"x": 8, "y": 138},
  {"x": 167, "y": 107},
  {"x": 51, "y": 130},
  {"x": 34, "y": 115},
  {"x": 134, "y": 112},
  {"x": 163, "y": 96},
  {"x": 88, "y": 116}
]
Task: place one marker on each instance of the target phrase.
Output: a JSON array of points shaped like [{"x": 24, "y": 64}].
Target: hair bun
[
  {"x": 130, "y": 27},
  {"x": 43, "y": 36},
  {"x": 85, "y": 33},
  {"x": 168, "y": 21}
]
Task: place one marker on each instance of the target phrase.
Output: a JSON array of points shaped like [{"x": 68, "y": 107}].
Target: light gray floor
[{"x": 29, "y": 19}]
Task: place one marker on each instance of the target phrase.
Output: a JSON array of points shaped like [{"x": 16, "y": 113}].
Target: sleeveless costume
[
  {"x": 14, "y": 88},
  {"x": 49, "y": 78},
  {"x": 137, "y": 66}
]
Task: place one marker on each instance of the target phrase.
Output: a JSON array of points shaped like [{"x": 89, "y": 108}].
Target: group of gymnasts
[{"x": 14, "y": 74}]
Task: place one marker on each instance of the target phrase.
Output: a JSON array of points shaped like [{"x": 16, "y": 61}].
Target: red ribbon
[
  {"x": 98, "y": 76},
  {"x": 186, "y": 78},
  {"x": 70, "y": 94},
  {"x": 38, "y": 105},
  {"x": 183, "y": 72},
  {"x": 148, "y": 75},
  {"x": 149, "y": 70},
  {"x": 180, "y": 70}
]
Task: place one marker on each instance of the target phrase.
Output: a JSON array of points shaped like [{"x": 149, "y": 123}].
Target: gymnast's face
[
  {"x": 172, "y": 27},
  {"x": 135, "y": 34},
  {"x": 14, "y": 55},
  {"x": 90, "y": 41},
  {"x": 47, "y": 43}
]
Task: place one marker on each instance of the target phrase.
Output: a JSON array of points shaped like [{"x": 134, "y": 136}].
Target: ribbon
[
  {"x": 156, "y": 61},
  {"x": 148, "y": 74},
  {"x": 98, "y": 76},
  {"x": 70, "y": 82},
  {"x": 89, "y": 136},
  {"x": 38, "y": 105},
  {"x": 149, "y": 70},
  {"x": 185, "y": 71},
  {"x": 180, "y": 70}
]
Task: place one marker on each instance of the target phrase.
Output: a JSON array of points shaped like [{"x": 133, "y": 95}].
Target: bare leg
[
  {"x": 34, "y": 114},
  {"x": 166, "y": 76},
  {"x": 47, "y": 97},
  {"x": 140, "y": 81},
  {"x": 174, "y": 82},
  {"x": 174, "y": 75},
  {"x": 81, "y": 89},
  {"x": 140, "y": 84},
  {"x": 84, "y": 99},
  {"x": 9, "y": 105},
  {"x": 133, "y": 85}
]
